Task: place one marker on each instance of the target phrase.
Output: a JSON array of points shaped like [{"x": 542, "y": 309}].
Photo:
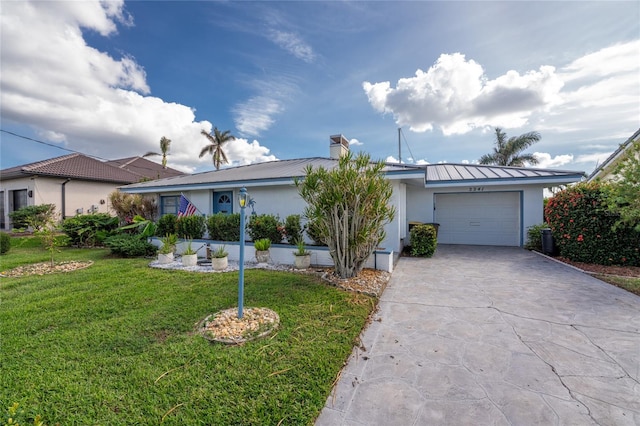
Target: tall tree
[
  {"x": 217, "y": 139},
  {"x": 508, "y": 152},
  {"x": 164, "y": 149},
  {"x": 350, "y": 206}
]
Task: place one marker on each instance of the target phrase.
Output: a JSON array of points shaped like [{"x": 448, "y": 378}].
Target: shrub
[
  {"x": 314, "y": 232},
  {"x": 265, "y": 226},
  {"x": 5, "y": 242},
  {"x": 582, "y": 227},
  {"x": 90, "y": 229},
  {"x": 423, "y": 240},
  {"x": 127, "y": 206},
  {"x": 166, "y": 225},
  {"x": 534, "y": 237},
  {"x": 224, "y": 227},
  {"x": 129, "y": 245},
  {"x": 293, "y": 229},
  {"x": 262, "y": 244},
  {"x": 32, "y": 216},
  {"x": 190, "y": 227}
]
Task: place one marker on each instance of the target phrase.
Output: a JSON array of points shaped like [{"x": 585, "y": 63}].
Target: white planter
[
  {"x": 262, "y": 256},
  {"x": 302, "y": 262},
  {"x": 189, "y": 259},
  {"x": 219, "y": 263},
  {"x": 165, "y": 257}
]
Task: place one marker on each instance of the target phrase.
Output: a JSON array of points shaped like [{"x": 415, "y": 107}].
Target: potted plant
[
  {"x": 219, "y": 259},
  {"x": 302, "y": 256},
  {"x": 262, "y": 249},
  {"x": 189, "y": 256},
  {"x": 165, "y": 253}
]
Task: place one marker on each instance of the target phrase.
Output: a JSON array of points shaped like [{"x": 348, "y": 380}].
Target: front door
[{"x": 223, "y": 202}]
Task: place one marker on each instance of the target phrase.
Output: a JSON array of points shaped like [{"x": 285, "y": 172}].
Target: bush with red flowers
[{"x": 582, "y": 227}]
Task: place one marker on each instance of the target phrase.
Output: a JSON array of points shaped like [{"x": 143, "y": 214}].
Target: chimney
[{"x": 338, "y": 147}]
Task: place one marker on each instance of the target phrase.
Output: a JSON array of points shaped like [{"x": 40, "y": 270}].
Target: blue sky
[{"x": 110, "y": 79}]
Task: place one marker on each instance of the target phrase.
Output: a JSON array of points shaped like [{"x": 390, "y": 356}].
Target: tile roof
[
  {"x": 467, "y": 173},
  {"x": 144, "y": 167},
  {"x": 78, "y": 166}
]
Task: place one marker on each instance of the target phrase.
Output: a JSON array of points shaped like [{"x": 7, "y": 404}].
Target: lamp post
[{"x": 243, "y": 203}]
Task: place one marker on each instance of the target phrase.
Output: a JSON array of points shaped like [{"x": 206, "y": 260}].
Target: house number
[{"x": 476, "y": 188}]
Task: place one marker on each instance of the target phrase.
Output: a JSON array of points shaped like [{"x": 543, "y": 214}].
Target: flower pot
[
  {"x": 262, "y": 256},
  {"x": 189, "y": 259},
  {"x": 219, "y": 263},
  {"x": 302, "y": 262},
  {"x": 165, "y": 257}
]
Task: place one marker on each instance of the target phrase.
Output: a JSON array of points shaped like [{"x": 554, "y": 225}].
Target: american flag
[{"x": 186, "y": 207}]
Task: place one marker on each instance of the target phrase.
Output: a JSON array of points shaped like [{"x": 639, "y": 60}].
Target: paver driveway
[{"x": 493, "y": 336}]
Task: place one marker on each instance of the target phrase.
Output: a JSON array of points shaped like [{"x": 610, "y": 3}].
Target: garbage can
[{"x": 548, "y": 245}]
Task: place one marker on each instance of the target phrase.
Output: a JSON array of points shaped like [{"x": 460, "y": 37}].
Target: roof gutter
[{"x": 64, "y": 198}]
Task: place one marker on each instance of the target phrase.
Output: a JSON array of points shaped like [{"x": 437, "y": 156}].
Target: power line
[
  {"x": 407, "y": 143},
  {"x": 73, "y": 151}
]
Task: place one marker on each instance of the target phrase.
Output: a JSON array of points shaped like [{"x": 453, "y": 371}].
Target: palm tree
[
  {"x": 164, "y": 148},
  {"x": 217, "y": 139},
  {"x": 508, "y": 152}
]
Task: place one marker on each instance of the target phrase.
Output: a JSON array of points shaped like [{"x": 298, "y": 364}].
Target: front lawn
[
  {"x": 631, "y": 284},
  {"x": 115, "y": 344}
]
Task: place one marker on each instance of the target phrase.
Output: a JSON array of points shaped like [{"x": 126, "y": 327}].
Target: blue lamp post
[{"x": 243, "y": 203}]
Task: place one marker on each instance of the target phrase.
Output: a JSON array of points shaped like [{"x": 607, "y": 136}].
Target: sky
[{"x": 110, "y": 79}]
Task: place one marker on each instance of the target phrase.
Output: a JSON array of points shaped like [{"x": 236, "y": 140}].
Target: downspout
[{"x": 64, "y": 198}]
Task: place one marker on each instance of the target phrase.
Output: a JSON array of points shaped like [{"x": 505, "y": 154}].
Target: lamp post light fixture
[{"x": 242, "y": 199}]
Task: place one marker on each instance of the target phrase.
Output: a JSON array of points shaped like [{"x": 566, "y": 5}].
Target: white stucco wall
[{"x": 78, "y": 194}]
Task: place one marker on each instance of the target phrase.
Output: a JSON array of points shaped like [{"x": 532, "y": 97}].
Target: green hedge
[
  {"x": 293, "y": 229},
  {"x": 89, "y": 230},
  {"x": 130, "y": 245},
  {"x": 265, "y": 226},
  {"x": 582, "y": 227},
  {"x": 423, "y": 240},
  {"x": 224, "y": 227},
  {"x": 5, "y": 242},
  {"x": 166, "y": 225},
  {"x": 191, "y": 227},
  {"x": 34, "y": 216}
]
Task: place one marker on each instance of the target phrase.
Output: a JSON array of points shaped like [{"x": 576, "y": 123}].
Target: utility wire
[
  {"x": 70, "y": 150},
  {"x": 408, "y": 147}
]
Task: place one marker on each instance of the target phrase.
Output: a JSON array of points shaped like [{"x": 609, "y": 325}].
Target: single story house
[
  {"x": 74, "y": 183},
  {"x": 474, "y": 204},
  {"x": 605, "y": 170}
]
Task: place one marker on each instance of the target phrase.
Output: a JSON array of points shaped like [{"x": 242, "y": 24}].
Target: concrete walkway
[{"x": 493, "y": 336}]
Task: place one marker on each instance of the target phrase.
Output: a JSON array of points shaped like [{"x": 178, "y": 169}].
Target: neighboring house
[
  {"x": 474, "y": 204},
  {"x": 605, "y": 170},
  {"x": 75, "y": 183}
]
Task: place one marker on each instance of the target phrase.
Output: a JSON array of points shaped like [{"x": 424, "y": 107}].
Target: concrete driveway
[{"x": 493, "y": 336}]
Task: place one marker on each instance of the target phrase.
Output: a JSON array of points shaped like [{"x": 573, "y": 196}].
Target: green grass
[
  {"x": 630, "y": 284},
  {"x": 115, "y": 344}
]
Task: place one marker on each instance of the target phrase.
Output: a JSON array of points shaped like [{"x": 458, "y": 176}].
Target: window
[{"x": 169, "y": 204}]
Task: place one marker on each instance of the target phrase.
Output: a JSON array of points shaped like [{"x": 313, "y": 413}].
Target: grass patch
[
  {"x": 115, "y": 344},
  {"x": 630, "y": 284}
]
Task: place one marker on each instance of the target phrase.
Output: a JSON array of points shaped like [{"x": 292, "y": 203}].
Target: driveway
[{"x": 493, "y": 336}]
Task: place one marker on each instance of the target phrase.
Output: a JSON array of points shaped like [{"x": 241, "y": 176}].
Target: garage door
[{"x": 479, "y": 218}]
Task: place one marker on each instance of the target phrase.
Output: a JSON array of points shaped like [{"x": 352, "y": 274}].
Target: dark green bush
[
  {"x": 423, "y": 240},
  {"x": 32, "y": 216},
  {"x": 129, "y": 245},
  {"x": 293, "y": 229},
  {"x": 534, "y": 237},
  {"x": 314, "y": 232},
  {"x": 224, "y": 227},
  {"x": 265, "y": 226},
  {"x": 5, "y": 242},
  {"x": 190, "y": 227},
  {"x": 166, "y": 225},
  {"x": 582, "y": 227},
  {"x": 89, "y": 230}
]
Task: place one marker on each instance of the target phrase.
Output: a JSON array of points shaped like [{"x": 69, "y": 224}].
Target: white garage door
[{"x": 491, "y": 219}]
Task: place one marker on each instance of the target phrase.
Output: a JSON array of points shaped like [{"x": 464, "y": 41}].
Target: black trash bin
[{"x": 548, "y": 245}]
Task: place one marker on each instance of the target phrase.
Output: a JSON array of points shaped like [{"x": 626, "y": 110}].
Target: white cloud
[
  {"x": 600, "y": 88},
  {"x": 597, "y": 158},
  {"x": 293, "y": 44},
  {"x": 546, "y": 161},
  {"x": 456, "y": 96},
  {"x": 355, "y": 142},
  {"x": 73, "y": 93}
]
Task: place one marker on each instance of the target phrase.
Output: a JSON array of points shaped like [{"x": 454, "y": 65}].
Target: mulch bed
[
  {"x": 43, "y": 268},
  {"x": 623, "y": 271}
]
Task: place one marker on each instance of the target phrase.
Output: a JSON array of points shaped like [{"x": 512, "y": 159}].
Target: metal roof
[
  {"x": 449, "y": 173},
  {"x": 79, "y": 166},
  {"x": 270, "y": 172}
]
